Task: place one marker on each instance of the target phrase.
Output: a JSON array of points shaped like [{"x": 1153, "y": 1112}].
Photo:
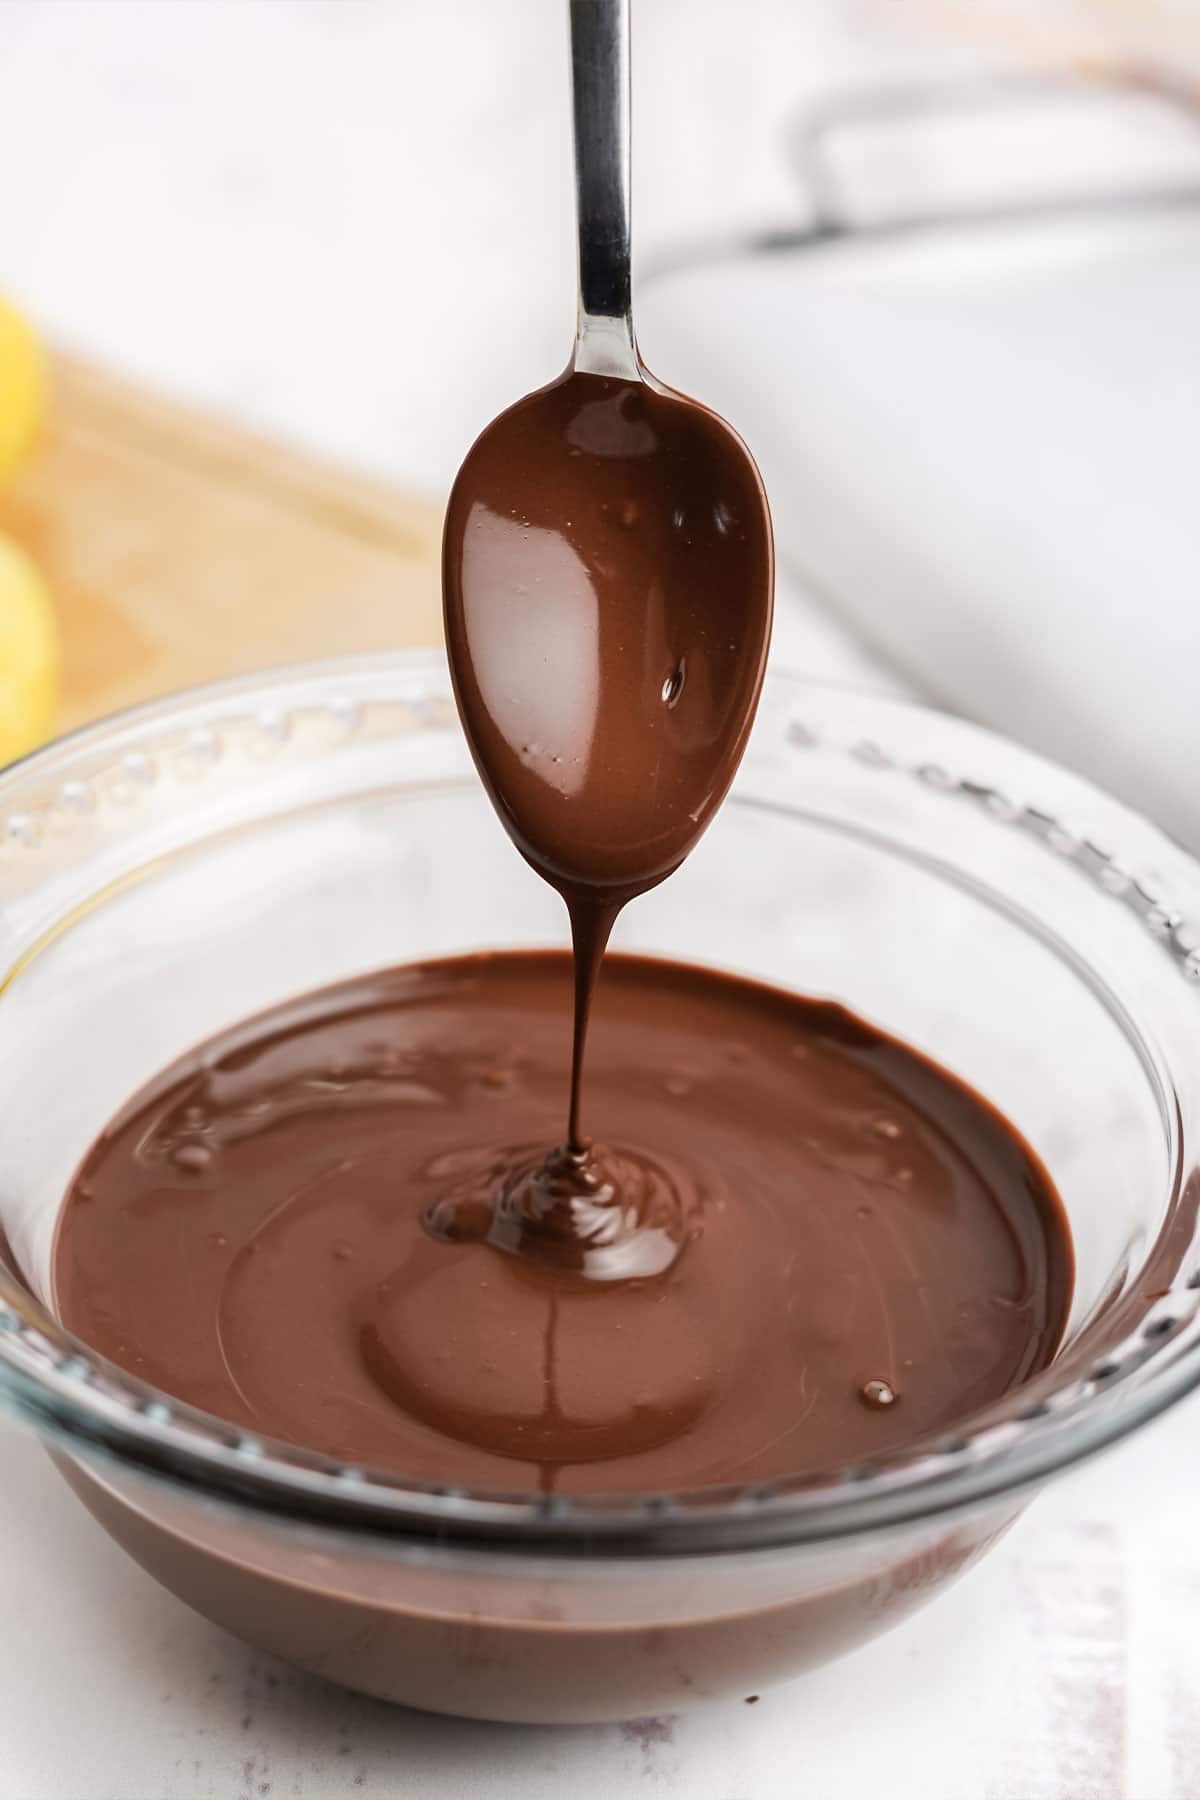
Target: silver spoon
[{"x": 608, "y": 575}]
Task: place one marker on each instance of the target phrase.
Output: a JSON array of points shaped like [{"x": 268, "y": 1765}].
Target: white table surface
[{"x": 349, "y": 224}]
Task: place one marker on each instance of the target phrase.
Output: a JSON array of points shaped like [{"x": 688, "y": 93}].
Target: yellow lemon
[
  {"x": 22, "y": 387},
  {"x": 29, "y": 655}
]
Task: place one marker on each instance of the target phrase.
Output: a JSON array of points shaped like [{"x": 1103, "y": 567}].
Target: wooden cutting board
[{"x": 179, "y": 550}]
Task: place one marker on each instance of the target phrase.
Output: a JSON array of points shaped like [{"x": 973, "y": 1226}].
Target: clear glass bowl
[{"x": 165, "y": 873}]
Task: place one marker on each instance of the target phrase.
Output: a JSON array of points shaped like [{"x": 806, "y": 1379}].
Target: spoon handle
[{"x": 604, "y": 342}]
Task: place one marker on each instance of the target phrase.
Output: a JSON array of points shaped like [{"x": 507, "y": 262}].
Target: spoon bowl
[{"x": 608, "y": 581}]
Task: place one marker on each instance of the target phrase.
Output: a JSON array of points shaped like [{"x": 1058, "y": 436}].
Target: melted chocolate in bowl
[{"x": 303, "y": 1228}]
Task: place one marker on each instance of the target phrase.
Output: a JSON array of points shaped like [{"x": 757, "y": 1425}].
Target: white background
[{"x": 349, "y": 224}]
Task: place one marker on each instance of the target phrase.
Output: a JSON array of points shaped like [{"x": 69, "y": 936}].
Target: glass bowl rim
[{"x": 86, "y": 1405}]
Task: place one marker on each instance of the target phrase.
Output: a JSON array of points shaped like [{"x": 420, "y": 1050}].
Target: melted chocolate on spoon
[
  {"x": 608, "y": 576},
  {"x": 872, "y": 1253}
]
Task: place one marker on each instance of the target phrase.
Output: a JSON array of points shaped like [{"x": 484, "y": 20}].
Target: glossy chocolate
[
  {"x": 608, "y": 604},
  {"x": 871, "y": 1251}
]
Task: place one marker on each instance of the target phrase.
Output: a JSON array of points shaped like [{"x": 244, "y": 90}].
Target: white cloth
[{"x": 982, "y": 448}]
